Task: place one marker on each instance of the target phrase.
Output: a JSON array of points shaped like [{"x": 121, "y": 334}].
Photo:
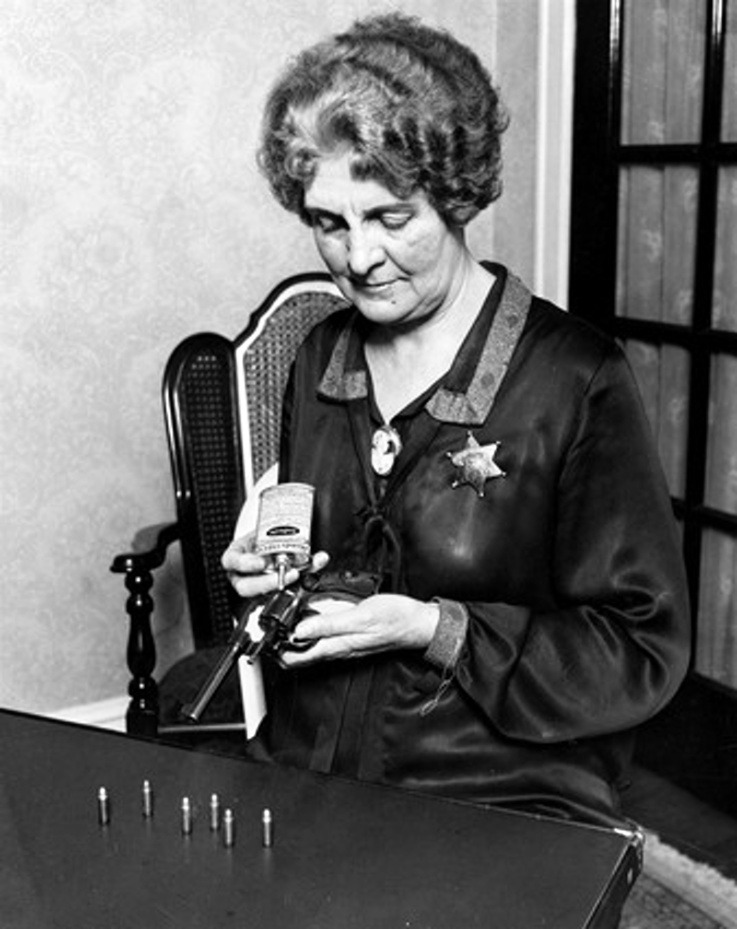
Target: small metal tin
[{"x": 284, "y": 525}]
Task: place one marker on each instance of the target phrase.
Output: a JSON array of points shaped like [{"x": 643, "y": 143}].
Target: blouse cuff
[{"x": 450, "y": 633}]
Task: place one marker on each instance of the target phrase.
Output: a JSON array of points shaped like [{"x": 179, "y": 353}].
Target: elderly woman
[{"x": 481, "y": 452}]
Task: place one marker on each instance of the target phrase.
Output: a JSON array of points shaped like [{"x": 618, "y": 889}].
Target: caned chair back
[{"x": 222, "y": 404}]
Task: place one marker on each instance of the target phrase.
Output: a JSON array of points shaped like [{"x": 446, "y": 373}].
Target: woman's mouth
[{"x": 375, "y": 288}]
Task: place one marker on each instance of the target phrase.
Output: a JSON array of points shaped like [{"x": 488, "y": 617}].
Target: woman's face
[{"x": 395, "y": 259}]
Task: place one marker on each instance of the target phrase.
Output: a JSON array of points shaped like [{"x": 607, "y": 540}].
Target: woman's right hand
[{"x": 247, "y": 571}]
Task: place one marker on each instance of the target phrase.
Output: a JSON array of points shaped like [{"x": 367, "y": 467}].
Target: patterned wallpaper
[{"x": 131, "y": 215}]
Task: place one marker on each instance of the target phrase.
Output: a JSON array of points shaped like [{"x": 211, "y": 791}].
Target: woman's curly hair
[{"x": 415, "y": 108}]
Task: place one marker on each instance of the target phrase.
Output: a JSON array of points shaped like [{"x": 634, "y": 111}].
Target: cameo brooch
[{"x": 385, "y": 447}]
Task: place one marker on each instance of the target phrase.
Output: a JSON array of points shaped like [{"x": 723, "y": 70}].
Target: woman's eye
[
  {"x": 395, "y": 221},
  {"x": 326, "y": 223}
]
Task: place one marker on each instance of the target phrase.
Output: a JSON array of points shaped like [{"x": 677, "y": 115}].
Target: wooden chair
[{"x": 222, "y": 408}]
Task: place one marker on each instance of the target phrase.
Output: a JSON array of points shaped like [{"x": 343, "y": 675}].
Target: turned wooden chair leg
[{"x": 143, "y": 710}]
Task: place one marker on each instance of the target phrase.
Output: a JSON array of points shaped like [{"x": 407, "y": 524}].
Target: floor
[
  {"x": 683, "y": 821},
  {"x": 652, "y": 906}
]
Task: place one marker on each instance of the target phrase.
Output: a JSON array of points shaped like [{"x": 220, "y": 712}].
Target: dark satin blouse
[{"x": 568, "y": 565}]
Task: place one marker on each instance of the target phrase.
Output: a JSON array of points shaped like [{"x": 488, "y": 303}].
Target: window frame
[
  {"x": 598, "y": 156},
  {"x": 692, "y": 741}
]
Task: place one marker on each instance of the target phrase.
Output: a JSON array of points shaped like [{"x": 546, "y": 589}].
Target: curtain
[
  {"x": 662, "y": 374},
  {"x": 729, "y": 97},
  {"x": 661, "y": 103},
  {"x": 721, "y": 460},
  {"x": 663, "y": 70},
  {"x": 716, "y": 648},
  {"x": 724, "y": 311}
]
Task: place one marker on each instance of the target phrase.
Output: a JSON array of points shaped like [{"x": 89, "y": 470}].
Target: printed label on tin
[{"x": 285, "y": 521}]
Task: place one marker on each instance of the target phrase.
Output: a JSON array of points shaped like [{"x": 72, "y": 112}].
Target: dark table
[{"x": 343, "y": 855}]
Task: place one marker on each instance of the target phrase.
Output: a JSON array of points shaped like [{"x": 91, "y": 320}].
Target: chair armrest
[{"x": 150, "y": 548}]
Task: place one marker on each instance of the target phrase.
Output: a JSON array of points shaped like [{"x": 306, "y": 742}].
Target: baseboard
[{"x": 104, "y": 714}]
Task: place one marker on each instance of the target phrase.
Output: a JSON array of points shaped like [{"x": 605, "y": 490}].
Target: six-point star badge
[{"x": 475, "y": 464}]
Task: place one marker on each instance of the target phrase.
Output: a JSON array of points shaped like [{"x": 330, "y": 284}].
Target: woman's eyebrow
[
  {"x": 317, "y": 212},
  {"x": 372, "y": 212},
  {"x": 398, "y": 206}
]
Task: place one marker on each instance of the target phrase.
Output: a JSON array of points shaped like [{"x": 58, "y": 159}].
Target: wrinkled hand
[
  {"x": 380, "y": 623},
  {"x": 247, "y": 571}
]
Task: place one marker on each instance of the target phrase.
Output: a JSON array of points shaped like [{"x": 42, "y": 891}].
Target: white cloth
[{"x": 250, "y": 675}]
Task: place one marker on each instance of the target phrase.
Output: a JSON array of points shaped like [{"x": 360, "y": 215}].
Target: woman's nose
[{"x": 363, "y": 252}]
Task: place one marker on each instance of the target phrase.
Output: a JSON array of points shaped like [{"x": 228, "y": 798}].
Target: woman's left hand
[{"x": 380, "y": 623}]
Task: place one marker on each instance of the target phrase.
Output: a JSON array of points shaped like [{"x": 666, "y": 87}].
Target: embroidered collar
[{"x": 463, "y": 397}]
